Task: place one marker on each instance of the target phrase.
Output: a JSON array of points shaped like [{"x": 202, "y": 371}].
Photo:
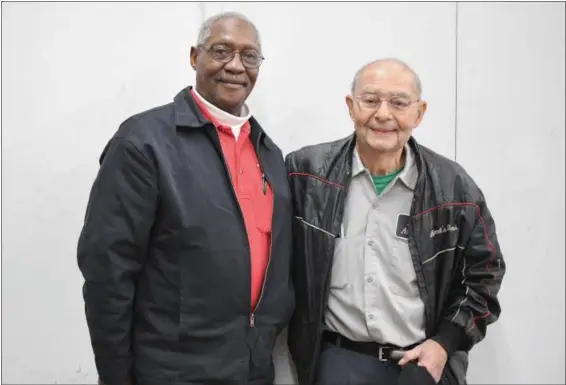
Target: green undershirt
[{"x": 382, "y": 181}]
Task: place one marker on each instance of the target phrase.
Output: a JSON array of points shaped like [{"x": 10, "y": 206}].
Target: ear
[
  {"x": 350, "y": 104},
  {"x": 194, "y": 56},
  {"x": 420, "y": 112}
]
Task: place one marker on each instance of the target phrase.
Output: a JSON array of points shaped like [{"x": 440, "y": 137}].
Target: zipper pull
[
  {"x": 252, "y": 320},
  {"x": 264, "y": 183}
]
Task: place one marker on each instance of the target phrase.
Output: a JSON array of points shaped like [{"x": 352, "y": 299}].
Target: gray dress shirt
[{"x": 373, "y": 290}]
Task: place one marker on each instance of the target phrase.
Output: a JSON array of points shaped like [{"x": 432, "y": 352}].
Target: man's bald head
[
  {"x": 388, "y": 63},
  {"x": 385, "y": 106}
]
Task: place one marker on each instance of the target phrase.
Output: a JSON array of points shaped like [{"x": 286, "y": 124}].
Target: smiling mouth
[
  {"x": 378, "y": 131},
  {"x": 232, "y": 84}
]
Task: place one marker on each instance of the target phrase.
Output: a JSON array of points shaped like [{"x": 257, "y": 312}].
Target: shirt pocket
[
  {"x": 402, "y": 276},
  {"x": 339, "y": 274},
  {"x": 263, "y": 208}
]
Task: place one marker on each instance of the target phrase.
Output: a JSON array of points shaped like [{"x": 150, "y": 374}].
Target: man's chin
[
  {"x": 382, "y": 145},
  {"x": 231, "y": 105},
  {"x": 234, "y": 96}
]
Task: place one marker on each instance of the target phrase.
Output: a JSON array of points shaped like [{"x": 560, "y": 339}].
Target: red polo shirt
[{"x": 256, "y": 205}]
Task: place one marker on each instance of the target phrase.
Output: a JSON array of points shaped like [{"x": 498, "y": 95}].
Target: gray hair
[
  {"x": 206, "y": 27},
  {"x": 418, "y": 85}
]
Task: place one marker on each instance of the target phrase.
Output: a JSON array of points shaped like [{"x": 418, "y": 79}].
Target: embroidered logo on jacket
[{"x": 442, "y": 230}]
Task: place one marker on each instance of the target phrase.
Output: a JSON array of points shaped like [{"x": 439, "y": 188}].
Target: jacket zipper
[
  {"x": 417, "y": 261},
  {"x": 264, "y": 189},
  {"x": 252, "y": 316},
  {"x": 327, "y": 280}
]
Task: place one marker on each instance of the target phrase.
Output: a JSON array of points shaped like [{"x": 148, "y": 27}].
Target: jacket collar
[{"x": 189, "y": 115}]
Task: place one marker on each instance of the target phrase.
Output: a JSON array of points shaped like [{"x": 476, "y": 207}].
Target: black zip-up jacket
[
  {"x": 459, "y": 287},
  {"x": 166, "y": 260}
]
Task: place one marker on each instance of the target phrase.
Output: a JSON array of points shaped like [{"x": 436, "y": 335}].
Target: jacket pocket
[
  {"x": 310, "y": 243},
  {"x": 262, "y": 343}
]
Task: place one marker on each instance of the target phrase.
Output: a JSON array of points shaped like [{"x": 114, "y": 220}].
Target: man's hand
[{"x": 428, "y": 354}]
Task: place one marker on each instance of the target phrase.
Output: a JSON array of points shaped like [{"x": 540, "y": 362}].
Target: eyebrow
[
  {"x": 391, "y": 94},
  {"x": 401, "y": 94},
  {"x": 233, "y": 45}
]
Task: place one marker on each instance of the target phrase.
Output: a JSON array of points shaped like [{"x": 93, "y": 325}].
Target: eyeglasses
[
  {"x": 395, "y": 103},
  {"x": 225, "y": 54}
]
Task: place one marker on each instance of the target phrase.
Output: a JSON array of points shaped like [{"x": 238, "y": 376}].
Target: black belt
[{"x": 382, "y": 352}]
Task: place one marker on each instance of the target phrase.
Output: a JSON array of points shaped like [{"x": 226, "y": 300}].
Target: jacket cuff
[{"x": 449, "y": 336}]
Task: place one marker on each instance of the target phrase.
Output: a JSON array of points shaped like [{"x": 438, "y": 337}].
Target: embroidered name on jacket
[{"x": 442, "y": 230}]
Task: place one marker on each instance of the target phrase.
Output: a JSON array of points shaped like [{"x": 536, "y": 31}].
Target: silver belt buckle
[{"x": 394, "y": 355}]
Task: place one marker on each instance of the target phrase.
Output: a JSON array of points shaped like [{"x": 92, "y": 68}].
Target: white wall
[
  {"x": 493, "y": 75},
  {"x": 510, "y": 138}
]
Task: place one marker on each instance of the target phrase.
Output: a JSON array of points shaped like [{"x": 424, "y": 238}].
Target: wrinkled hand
[{"x": 429, "y": 354}]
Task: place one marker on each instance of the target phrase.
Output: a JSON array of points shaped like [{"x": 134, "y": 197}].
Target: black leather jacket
[{"x": 459, "y": 290}]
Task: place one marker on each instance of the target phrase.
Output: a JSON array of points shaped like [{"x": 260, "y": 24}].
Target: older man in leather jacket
[{"x": 396, "y": 258}]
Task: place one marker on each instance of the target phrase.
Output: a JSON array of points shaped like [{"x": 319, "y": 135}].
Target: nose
[
  {"x": 235, "y": 65},
  {"x": 383, "y": 112}
]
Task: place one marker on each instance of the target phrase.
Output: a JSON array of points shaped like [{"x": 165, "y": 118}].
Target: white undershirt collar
[{"x": 225, "y": 118}]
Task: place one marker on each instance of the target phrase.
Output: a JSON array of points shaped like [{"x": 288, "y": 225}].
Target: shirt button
[
  {"x": 370, "y": 279},
  {"x": 375, "y": 206},
  {"x": 370, "y": 243},
  {"x": 241, "y": 172},
  {"x": 370, "y": 316}
]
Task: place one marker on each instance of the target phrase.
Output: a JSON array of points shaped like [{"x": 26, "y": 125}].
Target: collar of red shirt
[
  {"x": 186, "y": 116},
  {"x": 245, "y": 130}
]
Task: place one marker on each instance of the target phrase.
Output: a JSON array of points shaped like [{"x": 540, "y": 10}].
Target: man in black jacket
[
  {"x": 186, "y": 245},
  {"x": 396, "y": 258}
]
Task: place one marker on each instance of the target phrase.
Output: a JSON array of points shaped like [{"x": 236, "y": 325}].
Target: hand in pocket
[{"x": 413, "y": 374}]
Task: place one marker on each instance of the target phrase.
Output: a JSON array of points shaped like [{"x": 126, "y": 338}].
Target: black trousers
[{"x": 339, "y": 366}]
